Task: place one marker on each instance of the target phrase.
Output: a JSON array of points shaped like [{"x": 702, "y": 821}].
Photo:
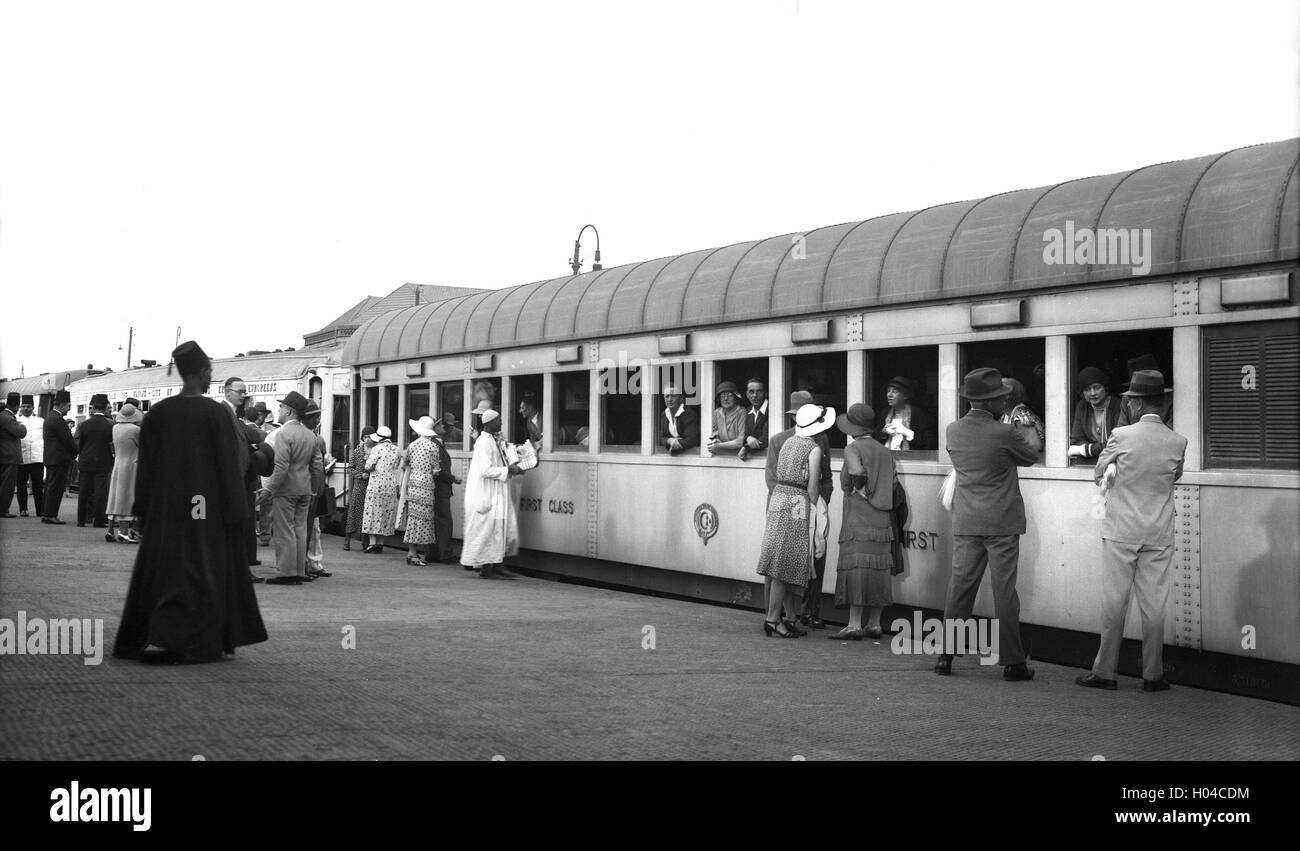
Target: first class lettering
[
  {"x": 554, "y": 506},
  {"x": 920, "y": 540}
]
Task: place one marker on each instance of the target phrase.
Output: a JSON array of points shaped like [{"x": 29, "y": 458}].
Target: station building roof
[
  {"x": 1230, "y": 209},
  {"x": 276, "y": 365}
]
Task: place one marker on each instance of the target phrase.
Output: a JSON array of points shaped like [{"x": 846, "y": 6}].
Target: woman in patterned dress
[
  {"x": 787, "y": 553},
  {"x": 422, "y": 470},
  {"x": 360, "y": 478},
  {"x": 379, "y": 519}
]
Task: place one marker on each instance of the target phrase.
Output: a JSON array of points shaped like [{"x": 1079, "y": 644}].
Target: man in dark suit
[
  {"x": 810, "y": 613},
  {"x": 682, "y": 431},
  {"x": 1139, "y": 466},
  {"x": 261, "y": 462},
  {"x": 94, "y": 463},
  {"x": 988, "y": 515},
  {"x": 755, "y": 419},
  {"x": 60, "y": 449},
  {"x": 12, "y": 433},
  {"x": 442, "y": 484}
]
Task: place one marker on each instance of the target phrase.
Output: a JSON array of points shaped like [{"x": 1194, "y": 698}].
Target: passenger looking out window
[
  {"x": 728, "y": 435},
  {"x": 1020, "y": 415},
  {"x": 755, "y": 419},
  {"x": 683, "y": 424},
  {"x": 1148, "y": 362},
  {"x": 1095, "y": 415},
  {"x": 532, "y": 418},
  {"x": 904, "y": 424}
]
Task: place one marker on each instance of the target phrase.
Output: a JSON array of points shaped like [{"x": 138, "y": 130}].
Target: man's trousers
[
  {"x": 1124, "y": 568},
  {"x": 1001, "y": 554}
]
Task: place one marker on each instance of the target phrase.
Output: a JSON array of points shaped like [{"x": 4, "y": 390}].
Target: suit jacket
[
  {"x": 60, "y": 448},
  {"x": 985, "y": 454},
  {"x": 688, "y": 428},
  {"x": 95, "y": 444},
  {"x": 12, "y": 433},
  {"x": 253, "y": 440},
  {"x": 1148, "y": 459},
  {"x": 756, "y": 427},
  {"x": 298, "y": 470},
  {"x": 445, "y": 479},
  {"x": 825, "y": 486}
]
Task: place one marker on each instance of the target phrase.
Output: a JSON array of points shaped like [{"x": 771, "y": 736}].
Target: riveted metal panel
[
  {"x": 1187, "y": 297},
  {"x": 593, "y": 511},
  {"x": 1187, "y": 566},
  {"x": 853, "y": 328}
]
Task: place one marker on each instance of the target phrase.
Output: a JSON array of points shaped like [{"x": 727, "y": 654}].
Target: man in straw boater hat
[
  {"x": 491, "y": 525},
  {"x": 1139, "y": 466},
  {"x": 988, "y": 516},
  {"x": 59, "y": 449},
  {"x": 191, "y": 598}
]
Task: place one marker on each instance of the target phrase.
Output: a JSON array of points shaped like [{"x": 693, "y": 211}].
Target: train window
[
  {"x": 572, "y": 409},
  {"x": 909, "y": 376},
  {"x": 489, "y": 390},
  {"x": 683, "y": 377},
  {"x": 1023, "y": 361},
  {"x": 451, "y": 400},
  {"x": 372, "y": 407},
  {"x": 527, "y": 392},
  {"x": 620, "y": 399},
  {"x": 825, "y": 376},
  {"x": 1112, "y": 358},
  {"x": 417, "y": 405},
  {"x": 389, "y": 417},
  {"x": 340, "y": 426},
  {"x": 738, "y": 372},
  {"x": 1252, "y": 395}
]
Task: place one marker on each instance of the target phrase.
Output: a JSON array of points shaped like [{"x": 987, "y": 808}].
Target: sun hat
[
  {"x": 129, "y": 414},
  {"x": 860, "y": 419},
  {"x": 813, "y": 419},
  {"x": 382, "y": 433},
  {"x": 423, "y": 426}
]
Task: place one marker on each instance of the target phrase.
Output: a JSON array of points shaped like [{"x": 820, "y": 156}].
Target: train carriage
[{"x": 1191, "y": 264}]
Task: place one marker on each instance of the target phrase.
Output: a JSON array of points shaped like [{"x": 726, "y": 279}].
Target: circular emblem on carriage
[{"x": 706, "y": 521}]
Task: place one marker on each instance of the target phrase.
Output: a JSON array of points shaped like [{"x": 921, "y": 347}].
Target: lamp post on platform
[{"x": 576, "y": 263}]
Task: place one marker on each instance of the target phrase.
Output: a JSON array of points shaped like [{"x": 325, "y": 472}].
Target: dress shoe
[
  {"x": 255, "y": 579},
  {"x": 944, "y": 665},
  {"x": 255, "y": 563},
  {"x": 319, "y": 574},
  {"x": 1155, "y": 685},
  {"x": 470, "y": 567},
  {"x": 23, "y": 514},
  {"x": 814, "y": 622},
  {"x": 284, "y": 580},
  {"x": 798, "y": 631},
  {"x": 54, "y": 521},
  {"x": 1094, "y": 681},
  {"x": 489, "y": 571},
  {"x": 1018, "y": 673},
  {"x": 506, "y": 572},
  {"x": 8, "y": 516},
  {"x": 872, "y": 632},
  {"x": 846, "y": 634}
]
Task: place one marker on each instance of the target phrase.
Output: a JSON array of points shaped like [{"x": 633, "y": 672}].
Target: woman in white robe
[{"x": 491, "y": 524}]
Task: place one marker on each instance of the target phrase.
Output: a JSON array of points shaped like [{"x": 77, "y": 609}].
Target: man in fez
[{"x": 191, "y": 597}]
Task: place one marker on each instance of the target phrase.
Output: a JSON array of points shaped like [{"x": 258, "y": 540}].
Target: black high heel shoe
[
  {"x": 795, "y": 630},
  {"x": 770, "y": 629}
]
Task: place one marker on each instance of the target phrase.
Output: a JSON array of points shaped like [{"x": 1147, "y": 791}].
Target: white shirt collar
[{"x": 762, "y": 409}]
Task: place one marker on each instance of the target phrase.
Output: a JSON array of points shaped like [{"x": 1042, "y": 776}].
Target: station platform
[{"x": 448, "y": 666}]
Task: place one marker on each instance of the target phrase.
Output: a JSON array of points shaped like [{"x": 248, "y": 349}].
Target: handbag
[
  {"x": 898, "y": 517},
  {"x": 326, "y": 503}
]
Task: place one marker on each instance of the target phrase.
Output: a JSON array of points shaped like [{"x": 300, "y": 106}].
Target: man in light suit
[
  {"x": 988, "y": 515},
  {"x": 298, "y": 474},
  {"x": 1140, "y": 464}
]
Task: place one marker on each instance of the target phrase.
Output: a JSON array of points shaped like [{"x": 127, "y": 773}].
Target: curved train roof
[
  {"x": 256, "y": 368},
  {"x": 1230, "y": 209}
]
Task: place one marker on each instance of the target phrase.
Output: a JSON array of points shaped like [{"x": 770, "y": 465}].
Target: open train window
[
  {"x": 740, "y": 372},
  {"x": 1116, "y": 356},
  {"x": 525, "y": 421},
  {"x": 684, "y": 377},
  {"x": 489, "y": 390},
  {"x": 417, "y": 401},
  {"x": 1022, "y": 360},
  {"x": 825, "y": 376},
  {"x": 910, "y": 377},
  {"x": 1252, "y": 395},
  {"x": 620, "y": 399},
  {"x": 572, "y": 410},
  {"x": 371, "y": 395},
  {"x": 339, "y": 427},
  {"x": 390, "y": 412},
  {"x": 451, "y": 407}
]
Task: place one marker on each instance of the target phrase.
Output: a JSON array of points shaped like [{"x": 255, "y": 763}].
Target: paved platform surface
[{"x": 450, "y": 666}]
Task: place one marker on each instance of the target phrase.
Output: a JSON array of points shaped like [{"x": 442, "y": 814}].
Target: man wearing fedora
[
  {"x": 297, "y": 476},
  {"x": 1139, "y": 466},
  {"x": 33, "y": 467},
  {"x": 94, "y": 463},
  {"x": 811, "y": 607},
  {"x": 59, "y": 449},
  {"x": 988, "y": 515},
  {"x": 12, "y": 433}
]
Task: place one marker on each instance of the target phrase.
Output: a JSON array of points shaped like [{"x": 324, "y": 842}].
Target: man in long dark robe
[{"x": 191, "y": 597}]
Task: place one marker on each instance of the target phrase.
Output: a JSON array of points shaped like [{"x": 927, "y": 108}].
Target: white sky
[{"x": 248, "y": 171}]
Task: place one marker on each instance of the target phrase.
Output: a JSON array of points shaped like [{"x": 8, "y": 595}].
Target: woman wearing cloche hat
[
  {"x": 121, "y": 484},
  {"x": 728, "y": 421},
  {"x": 787, "y": 553}
]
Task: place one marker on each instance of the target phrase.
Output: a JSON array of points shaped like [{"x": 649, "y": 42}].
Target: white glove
[
  {"x": 1077, "y": 451},
  {"x": 907, "y": 434}
]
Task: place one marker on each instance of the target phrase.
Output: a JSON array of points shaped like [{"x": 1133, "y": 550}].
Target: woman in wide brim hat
[
  {"x": 728, "y": 433},
  {"x": 787, "y": 554},
  {"x": 422, "y": 469},
  {"x": 121, "y": 483},
  {"x": 864, "y": 574},
  {"x": 903, "y": 424},
  {"x": 379, "y": 518}
]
